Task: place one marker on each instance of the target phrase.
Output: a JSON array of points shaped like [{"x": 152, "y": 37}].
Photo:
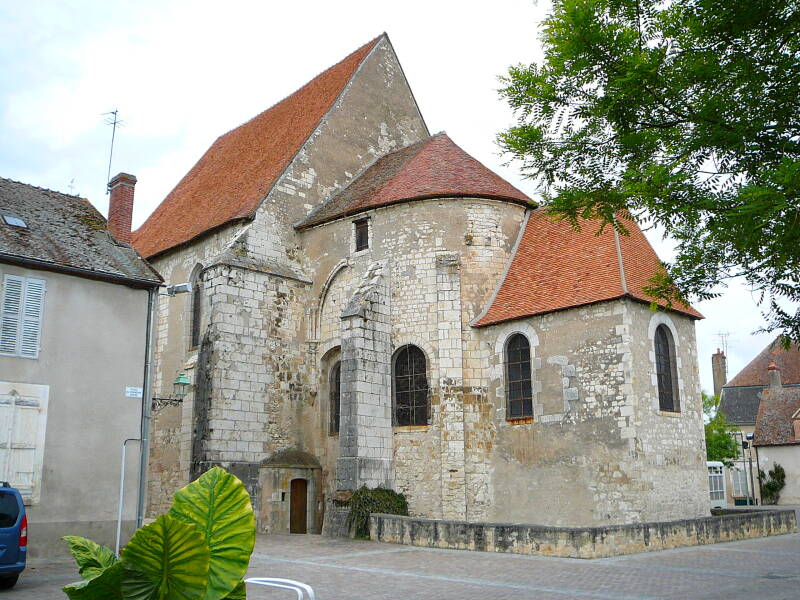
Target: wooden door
[{"x": 298, "y": 505}]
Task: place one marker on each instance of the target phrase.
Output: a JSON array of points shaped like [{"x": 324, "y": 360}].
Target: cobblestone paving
[{"x": 767, "y": 569}]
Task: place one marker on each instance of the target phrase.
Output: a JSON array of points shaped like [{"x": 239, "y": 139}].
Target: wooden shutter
[
  {"x": 23, "y": 422},
  {"x": 13, "y": 287},
  {"x": 21, "y": 326}
]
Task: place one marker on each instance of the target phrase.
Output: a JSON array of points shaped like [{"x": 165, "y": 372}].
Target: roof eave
[
  {"x": 303, "y": 225},
  {"x": 43, "y": 265}
]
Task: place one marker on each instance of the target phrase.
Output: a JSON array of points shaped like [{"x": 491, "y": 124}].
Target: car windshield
[{"x": 9, "y": 509}]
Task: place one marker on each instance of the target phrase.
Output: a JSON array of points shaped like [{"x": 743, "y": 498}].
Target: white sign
[{"x": 133, "y": 392}]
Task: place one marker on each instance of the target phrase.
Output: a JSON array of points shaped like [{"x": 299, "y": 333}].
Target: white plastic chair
[{"x": 302, "y": 590}]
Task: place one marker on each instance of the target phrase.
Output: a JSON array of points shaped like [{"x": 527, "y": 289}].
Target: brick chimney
[
  {"x": 120, "y": 206},
  {"x": 719, "y": 369},
  {"x": 774, "y": 374}
]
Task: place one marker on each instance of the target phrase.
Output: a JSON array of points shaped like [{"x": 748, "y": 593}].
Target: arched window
[
  {"x": 519, "y": 390},
  {"x": 335, "y": 387},
  {"x": 411, "y": 402},
  {"x": 666, "y": 370},
  {"x": 197, "y": 307}
]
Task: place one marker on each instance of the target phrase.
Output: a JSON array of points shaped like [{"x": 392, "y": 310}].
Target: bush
[
  {"x": 366, "y": 501},
  {"x": 772, "y": 483}
]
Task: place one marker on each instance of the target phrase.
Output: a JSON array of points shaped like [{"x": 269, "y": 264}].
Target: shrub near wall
[{"x": 366, "y": 501}]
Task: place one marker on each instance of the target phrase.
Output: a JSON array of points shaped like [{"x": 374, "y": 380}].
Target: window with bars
[
  {"x": 197, "y": 308},
  {"x": 21, "y": 319},
  {"x": 666, "y": 370},
  {"x": 519, "y": 390},
  {"x": 335, "y": 397},
  {"x": 362, "y": 234},
  {"x": 411, "y": 398}
]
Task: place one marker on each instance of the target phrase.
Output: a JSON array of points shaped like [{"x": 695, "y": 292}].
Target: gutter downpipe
[{"x": 152, "y": 296}]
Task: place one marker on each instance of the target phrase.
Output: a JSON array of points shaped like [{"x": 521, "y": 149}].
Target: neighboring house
[
  {"x": 777, "y": 434},
  {"x": 740, "y": 399},
  {"x": 74, "y": 318},
  {"x": 373, "y": 306}
]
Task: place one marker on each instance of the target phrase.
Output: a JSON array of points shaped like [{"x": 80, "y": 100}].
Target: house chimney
[
  {"x": 120, "y": 206},
  {"x": 774, "y": 374},
  {"x": 719, "y": 369}
]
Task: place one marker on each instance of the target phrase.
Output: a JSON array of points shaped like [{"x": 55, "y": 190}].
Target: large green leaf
[
  {"x": 238, "y": 593},
  {"x": 219, "y": 505},
  {"x": 104, "y": 586},
  {"x": 92, "y": 558},
  {"x": 167, "y": 559}
]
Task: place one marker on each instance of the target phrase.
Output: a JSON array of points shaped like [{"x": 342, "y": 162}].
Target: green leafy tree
[
  {"x": 721, "y": 445},
  {"x": 772, "y": 483},
  {"x": 685, "y": 113}
]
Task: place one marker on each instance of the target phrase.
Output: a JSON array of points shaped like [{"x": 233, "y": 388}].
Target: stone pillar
[
  {"x": 451, "y": 386},
  {"x": 365, "y": 428}
]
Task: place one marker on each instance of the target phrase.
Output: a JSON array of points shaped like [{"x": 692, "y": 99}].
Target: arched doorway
[{"x": 298, "y": 498}]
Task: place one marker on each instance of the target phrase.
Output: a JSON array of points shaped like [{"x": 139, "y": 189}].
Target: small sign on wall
[{"x": 133, "y": 392}]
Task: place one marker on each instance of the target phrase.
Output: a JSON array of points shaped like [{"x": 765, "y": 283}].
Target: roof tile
[
  {"x": 238, "y": 170},
  {"x": 432, "y": 168},
  {"x": 556, "y": 267},
  {"x": 755, "y": 373},
  {"x": 774, "y": 422}
]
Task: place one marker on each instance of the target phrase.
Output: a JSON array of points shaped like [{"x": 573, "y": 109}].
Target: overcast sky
[{"x": 182, "y": 73}]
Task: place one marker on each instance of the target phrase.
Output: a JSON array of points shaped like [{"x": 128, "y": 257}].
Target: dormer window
[
  {"x": 14, "y": 221},
  {"x": 361, "y": 228}
]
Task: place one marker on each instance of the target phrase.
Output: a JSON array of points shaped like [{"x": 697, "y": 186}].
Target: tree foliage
[
  {"x": 772, "y": 483},
  {"x": 686, "y": 113},
  {"x": 721, "y": 445}
]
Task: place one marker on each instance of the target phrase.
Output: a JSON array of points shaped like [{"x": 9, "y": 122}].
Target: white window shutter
[
  {"x": 32, "y": 318},
  {"x": 12, "y": 308}
]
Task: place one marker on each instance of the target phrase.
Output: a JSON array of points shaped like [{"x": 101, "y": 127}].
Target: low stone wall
[
  {"x": 579, "y": 542},
  {"x": 335, "y": 523}
]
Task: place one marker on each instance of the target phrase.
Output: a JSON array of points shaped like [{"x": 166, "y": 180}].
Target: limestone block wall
[{"x": 669, "y": 446}]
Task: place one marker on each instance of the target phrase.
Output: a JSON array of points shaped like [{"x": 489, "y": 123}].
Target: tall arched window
[
  {"x": 197, "y": 307},
  {"x": 666, "y": 370},
  {"x": 335, "y": 387},
  {"x": 519, "y": 390},
  {"x": 411, "y": 401}
]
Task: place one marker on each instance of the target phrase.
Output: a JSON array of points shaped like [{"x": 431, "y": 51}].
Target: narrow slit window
[
  {"x": 336, "y": 397},
  {"x": 666, "y": 370},
  {"x": 518, "y": 377},
  {"x": 197, "y": 309},
  {"x": 411, "y": 398},
  {"x": 362, "y": 234}
]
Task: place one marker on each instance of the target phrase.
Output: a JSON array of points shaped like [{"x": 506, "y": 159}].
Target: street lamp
[{"x": 180, "y": 387}]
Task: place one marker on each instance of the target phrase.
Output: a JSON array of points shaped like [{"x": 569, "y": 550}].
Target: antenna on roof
[
  {"x": 113, "y": 121},
  {"x": 71, "y": 187},
  {"x": 723, "y": 340}
]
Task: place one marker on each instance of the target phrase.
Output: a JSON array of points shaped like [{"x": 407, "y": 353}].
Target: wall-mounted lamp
[{"x": 180, "y": 387}]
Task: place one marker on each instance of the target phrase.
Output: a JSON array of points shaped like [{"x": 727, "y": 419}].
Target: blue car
[{"x": 13, "y": 536}]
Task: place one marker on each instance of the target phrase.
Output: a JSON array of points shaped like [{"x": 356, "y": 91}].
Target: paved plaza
[{"x": 767, "y": 569}]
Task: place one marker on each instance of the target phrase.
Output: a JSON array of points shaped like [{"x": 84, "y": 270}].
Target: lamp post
[{"x": 180, "y": 387}]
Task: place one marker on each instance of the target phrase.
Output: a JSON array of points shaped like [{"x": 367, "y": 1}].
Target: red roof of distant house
[
  {"x": 774, "y": 421},
  {"x": 555, "y": 267},
  {"x": 755, "y": 373},
  {"x": 433, "y": 168},
  {"x": 236, "y": 173}
]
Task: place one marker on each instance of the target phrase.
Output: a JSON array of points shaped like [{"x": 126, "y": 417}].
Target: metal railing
[{"x": 303, "y": 591}]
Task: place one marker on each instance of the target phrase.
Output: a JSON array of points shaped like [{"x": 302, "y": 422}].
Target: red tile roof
[
  {"x": 755, "y": 373},
  {"x": 556, "y": 267},
  {"x": 433, "y": 168},
  {"x": 774, "y": 421},
  {"x": 236, "y": 173}
]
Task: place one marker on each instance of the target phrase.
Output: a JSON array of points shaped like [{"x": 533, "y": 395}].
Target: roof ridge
[
  {"x": 372, "y": 43},
  {"x": 44, "y": 189}
]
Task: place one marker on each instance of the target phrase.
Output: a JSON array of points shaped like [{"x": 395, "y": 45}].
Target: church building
[{"x": 370, "y": 305}]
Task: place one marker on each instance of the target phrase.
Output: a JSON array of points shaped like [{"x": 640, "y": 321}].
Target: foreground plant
[{"x": 200, "y": 550}]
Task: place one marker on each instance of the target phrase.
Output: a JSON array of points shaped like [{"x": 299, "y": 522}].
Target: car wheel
[{"x": 6, "y": 583}]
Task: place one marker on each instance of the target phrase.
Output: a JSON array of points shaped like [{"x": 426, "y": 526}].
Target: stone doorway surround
[{"x": 275, "y": 476}]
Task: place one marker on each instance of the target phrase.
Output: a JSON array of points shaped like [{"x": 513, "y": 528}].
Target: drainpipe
[{"x": 147, "y": 406}]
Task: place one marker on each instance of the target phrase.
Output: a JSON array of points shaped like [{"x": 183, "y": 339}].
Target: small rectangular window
[
  {"x": 362, "y": 234},
  {"x": 14, "y": 221}
]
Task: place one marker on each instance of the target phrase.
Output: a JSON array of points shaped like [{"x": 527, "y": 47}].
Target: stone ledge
[{"x": 579, "y": 542}]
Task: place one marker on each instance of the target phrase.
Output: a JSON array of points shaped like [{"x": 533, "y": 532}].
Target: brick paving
[{"x": 767, "y": 569}]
